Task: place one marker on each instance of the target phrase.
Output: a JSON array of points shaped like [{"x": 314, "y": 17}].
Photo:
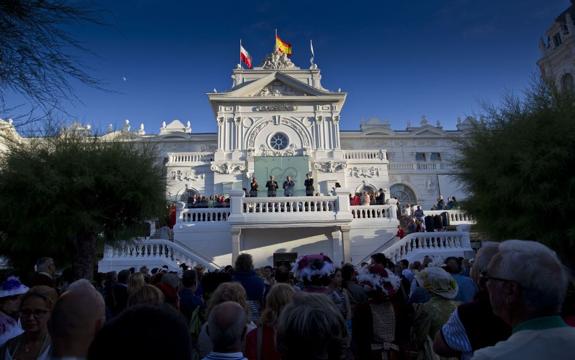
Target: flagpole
[
  {"x": 241, "y": 52},
  {"x": 312, "y": 52}
]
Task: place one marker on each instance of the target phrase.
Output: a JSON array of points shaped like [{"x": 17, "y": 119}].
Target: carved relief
[
  {"x": 278, "y": 61},
  {"x": 187, "y": 176},
  {"x": 227, "y": 167},
  {"x": 255, "y": 132},
  {"x": 330, "y": 166},
  {"x": 277, "y": 88},
  {"x": 364, "y": 172},
  {"x": 275, "y": 107},
  {"x": 266, "y": 151}
]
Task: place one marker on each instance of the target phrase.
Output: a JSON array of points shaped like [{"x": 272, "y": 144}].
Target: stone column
[
  {"x": 345, "y": 243},
  {"x": 236, "y": 244}
]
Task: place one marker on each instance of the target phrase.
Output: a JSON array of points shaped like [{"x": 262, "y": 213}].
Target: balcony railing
[
  {"x": 418, "y": 166},
  {"x": 205, "y": 215},
  {"x": 190, "y": 157},
  {"x": 300, "y": 204},
  {"x": 456, "y": 217},
  {"x": 372, "y": 212},
  {"x": 365, "y": 155}
]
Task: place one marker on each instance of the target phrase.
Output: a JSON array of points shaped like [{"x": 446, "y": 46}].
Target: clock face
[{"x": 279, "y": 141}]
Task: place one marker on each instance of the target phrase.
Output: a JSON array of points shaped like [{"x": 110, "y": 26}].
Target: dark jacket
[{"x": 252, "y": 283}]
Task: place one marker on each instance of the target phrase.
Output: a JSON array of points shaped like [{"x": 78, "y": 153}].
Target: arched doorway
[
  {"x": 370, "y": 189},
  {"x": 187, "y": 194},
  {"x": 403, "y": 193}
]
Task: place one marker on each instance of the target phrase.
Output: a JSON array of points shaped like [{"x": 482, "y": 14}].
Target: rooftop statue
[{"x": 278, "y": 61}]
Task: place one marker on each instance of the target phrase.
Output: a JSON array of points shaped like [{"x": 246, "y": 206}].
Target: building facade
[
  {"x": 557, "y": 62},
  {"x": 278, "y": 120}
]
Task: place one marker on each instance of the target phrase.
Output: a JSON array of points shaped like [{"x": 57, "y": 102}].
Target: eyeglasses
[{"x": 36, "y": 313}]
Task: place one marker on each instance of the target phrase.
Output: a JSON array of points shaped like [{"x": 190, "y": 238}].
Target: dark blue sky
[{"x": 396, "y": 59}]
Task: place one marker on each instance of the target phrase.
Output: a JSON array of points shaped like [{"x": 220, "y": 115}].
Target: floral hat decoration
[
  {"x": 12, "y": 287},
  {"x": 376, "y": 277},
  {"x": 309, "y": 266}
]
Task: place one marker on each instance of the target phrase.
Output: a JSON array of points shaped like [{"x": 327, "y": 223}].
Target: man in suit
[
  {"x": 288, "y": 186},
  {"x": 272, "y": 187},
  {"x": 308, "y": 183},
  {"x": 45, "y": 273}
]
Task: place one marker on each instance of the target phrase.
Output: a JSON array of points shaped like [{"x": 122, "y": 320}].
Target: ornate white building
[
  {"x": 278, "y": 119},
  {"x": 557, "y": 62}
]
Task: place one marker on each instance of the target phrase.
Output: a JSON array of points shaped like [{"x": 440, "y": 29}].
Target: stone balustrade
[
  {"x": 373, "y": 212},
  {"x": 155, "y": 252},
  {"x": 456, "y": 217},
  {"x": 365, "y": 155},
  {"x": 296, "y": 204},
  {"x": 190, "y": 157},
  {"x": 416, "y": 245},
  {"x": 418, "y": 166},
  {"x": 204, "y": 215}
]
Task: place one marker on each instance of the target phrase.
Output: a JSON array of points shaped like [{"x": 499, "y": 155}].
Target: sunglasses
[{"x": 486, "y": 277}]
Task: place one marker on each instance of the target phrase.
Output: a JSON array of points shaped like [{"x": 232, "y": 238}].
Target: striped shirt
[
  {"x": 225, "y": 356},
  {"x": 455, "y": 336}
]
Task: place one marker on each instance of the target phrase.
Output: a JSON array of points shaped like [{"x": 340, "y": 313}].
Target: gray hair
[
  {"x": 226, "y": 324},
  {"x": 536, "y": 268},
  {"x": 311, "y": 327},
  {"x": 484, "y": 255}
]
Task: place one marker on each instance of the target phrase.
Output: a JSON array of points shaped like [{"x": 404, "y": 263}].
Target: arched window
[
  {"x": 567, "y": 82},
  {"x": 403, "y": 193}
]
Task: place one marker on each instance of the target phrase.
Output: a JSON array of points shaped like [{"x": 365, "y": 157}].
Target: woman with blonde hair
[
  {"x": 147, "y": 294},
  {"x": 260, "y": 342},
  {"x": 228, "y": 291},
  {"x": 135, "y": 282},
  {"x": 35, "y": 310}
]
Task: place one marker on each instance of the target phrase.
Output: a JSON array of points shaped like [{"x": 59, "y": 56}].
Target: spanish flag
[{"x": 283, "y": 46}]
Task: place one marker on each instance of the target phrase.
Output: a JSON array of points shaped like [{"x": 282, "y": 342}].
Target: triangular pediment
[
  {"x": 276, "y": 84},
  {"x": 429, "y": 131}
]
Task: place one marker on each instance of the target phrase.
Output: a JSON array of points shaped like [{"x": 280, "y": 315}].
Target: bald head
[
  {"x": 226, "y": 326},
  {"x": 78, "y": 314}
]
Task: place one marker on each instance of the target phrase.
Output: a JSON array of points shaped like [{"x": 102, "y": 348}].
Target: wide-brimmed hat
[
  {"x": 437, "y": 281},
  {"x": 309, "y": 266},
  {"x": 378, "y": 278},
  {"x": 12, "y": 286}
]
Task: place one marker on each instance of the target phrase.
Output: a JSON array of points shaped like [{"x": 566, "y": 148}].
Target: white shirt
[{"x": 555, "y": 343}]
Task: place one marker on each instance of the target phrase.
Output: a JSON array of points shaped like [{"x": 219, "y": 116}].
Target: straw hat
[
  {"x": 437, "y": 281},
  {"x": 12, "y": 286}
]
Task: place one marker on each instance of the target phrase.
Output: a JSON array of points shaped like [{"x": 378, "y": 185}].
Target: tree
[
  {"x": 518, "y": 166},
  {"x": 60, "y": 195},
  {"x": 37, "y": 54}
]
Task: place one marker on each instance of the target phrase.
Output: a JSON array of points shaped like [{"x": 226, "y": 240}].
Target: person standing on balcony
[
  {"x": 288, "y": 186},
  {"x": 308, "y": 183},
  {"x": 272, "y": 187},
  {"x": 254, "y": 187}
]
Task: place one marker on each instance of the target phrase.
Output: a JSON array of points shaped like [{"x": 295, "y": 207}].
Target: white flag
[{"x": 311, "y": 48}]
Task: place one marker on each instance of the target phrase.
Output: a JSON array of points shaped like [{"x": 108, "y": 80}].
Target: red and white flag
[{"x": 245, "y": 57}]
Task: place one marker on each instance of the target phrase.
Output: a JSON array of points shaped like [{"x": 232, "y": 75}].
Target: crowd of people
[
  {"x": 511, "y": 303},
  {"x": 196, "y": 201}
]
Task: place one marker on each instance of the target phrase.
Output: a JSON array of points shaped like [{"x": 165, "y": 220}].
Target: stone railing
[
  {"x": 456, "y": 217},
  {"x": 417, "y": 166},
  {"x": 416, "y": 245},
  {"x": 296, "y": 209},
  {"x": 365, "y": 155},
  {"x": 299, "y": 204},
  {"x": 152, "y": 253},
  {"x": 190, "y": 157},
  {"x": 204, "y": 215},
  {"x": 373, "y": 212}
]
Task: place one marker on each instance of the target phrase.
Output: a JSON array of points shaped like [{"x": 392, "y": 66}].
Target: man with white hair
[
  {"x": 527, "y": 285},
  {"x": 227, "y": 327},
  {"x": 77, "y": 316}
]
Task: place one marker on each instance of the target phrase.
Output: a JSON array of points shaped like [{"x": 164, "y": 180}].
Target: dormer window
[
  {"x": 435, "y": 156},
  {"x": 420, "y": 156}
]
